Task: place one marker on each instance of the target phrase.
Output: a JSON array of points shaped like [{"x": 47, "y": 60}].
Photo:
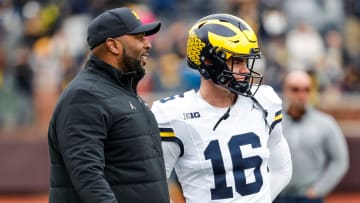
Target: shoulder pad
[{"x": 267, "y": 96}]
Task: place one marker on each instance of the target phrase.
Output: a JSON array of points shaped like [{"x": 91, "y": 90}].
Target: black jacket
[{"x": 104, "y": 141}]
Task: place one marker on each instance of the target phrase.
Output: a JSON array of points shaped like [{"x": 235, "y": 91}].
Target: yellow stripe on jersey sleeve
[
  {"x": 277, "y": 119},
  {"x": 166, "y": 132}
]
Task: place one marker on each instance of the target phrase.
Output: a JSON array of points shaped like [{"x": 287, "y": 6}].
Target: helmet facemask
[{"x": 244, "y": 87}]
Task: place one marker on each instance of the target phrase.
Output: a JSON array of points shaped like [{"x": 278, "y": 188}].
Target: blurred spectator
[
  {"x": 276, "y": 62},
  {"x": 318, "y": 148},
  {"x": 11, "y": 27},
  {"x": 23, "y": 72},
  {"x": 274, "y": 23},
  {"x": 352, "y": 37},
  {"x": 351, "y": 80},
  {"x": 245, "y": 9},
  {"x": 305, "y": 47},
  {"x": 8, "y": 99},
  {"x": 331, "y": 70},
  {"x": 317, "y": 13},
  {"x": 165, "y": 9},
  {"x": 23, "y": 79},
  {"x": 173, "y": 74},
  {"x": 205, "y": 7}
]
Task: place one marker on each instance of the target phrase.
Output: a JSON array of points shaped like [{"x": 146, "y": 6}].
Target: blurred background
[{"x": 43, "y": 46}]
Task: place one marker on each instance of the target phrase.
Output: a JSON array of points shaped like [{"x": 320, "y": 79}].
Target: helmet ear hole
[
  {"x": 204, "y": 73},
  {"x": 222, "y": 55}
]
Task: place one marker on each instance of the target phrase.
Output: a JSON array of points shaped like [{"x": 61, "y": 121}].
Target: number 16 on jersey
[{"x": 239, "y": 163}]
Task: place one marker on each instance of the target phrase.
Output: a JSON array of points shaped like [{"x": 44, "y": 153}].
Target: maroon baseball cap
[{"x": 117, "y": 22}]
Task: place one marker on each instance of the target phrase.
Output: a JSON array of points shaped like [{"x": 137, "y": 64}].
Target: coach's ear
[{"x": 114, "y": 46}]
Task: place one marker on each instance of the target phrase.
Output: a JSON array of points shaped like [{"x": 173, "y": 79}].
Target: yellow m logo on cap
[{"x": 135, "y": 14}]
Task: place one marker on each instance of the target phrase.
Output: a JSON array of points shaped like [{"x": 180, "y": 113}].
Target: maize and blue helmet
[{"x": 218, "y": 38}]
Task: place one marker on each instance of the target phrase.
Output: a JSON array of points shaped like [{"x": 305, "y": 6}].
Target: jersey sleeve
[
  {"x": 274, "y": 107},
  {"x": 172, "y": 152},
  {"x": 172, "y": 146},
  {"x": 166, "y": 122},
  {"x": 280, "y": 166}
]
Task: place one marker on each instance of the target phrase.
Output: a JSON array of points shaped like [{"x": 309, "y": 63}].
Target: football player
[{"x": 225, "y": 140}]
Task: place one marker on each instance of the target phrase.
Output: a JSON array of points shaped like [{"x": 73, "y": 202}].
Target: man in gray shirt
[{"x": 318, "y": 147}]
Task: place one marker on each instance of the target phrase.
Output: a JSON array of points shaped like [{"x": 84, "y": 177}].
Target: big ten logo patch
[{"x": 191, "y": 115}]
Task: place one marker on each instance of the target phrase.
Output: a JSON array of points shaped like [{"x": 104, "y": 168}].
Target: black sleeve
[{"x": 82, "y": 131}]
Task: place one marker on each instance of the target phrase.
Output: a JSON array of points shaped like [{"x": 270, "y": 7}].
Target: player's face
[{"x": 239, "y": 66}]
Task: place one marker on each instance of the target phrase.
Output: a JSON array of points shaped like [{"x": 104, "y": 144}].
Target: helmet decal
[{"x": 194, "y": 48}]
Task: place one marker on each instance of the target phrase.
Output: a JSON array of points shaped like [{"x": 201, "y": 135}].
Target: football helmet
[{"x": 217, "y": 38}]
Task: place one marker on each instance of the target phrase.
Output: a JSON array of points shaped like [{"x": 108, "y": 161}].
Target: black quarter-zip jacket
[{"x": 104, "y": 141}]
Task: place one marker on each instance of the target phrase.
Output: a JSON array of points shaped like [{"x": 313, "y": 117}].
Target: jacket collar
[{"x": 129, "y": 79}]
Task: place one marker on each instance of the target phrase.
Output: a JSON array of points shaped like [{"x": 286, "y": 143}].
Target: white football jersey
[{"x": 228, "y": 164}]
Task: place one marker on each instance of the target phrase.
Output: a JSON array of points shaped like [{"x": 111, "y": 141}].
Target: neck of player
[{"x": 216, "y": 95}]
